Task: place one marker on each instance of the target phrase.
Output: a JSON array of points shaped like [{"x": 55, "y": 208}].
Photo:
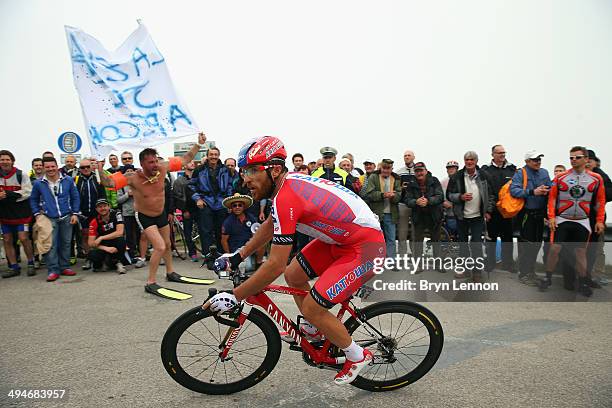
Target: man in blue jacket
[
  {"x": 211, "y": 183},
  {"x": 55, "y": 197},
  {"x": 533, "y": 214}
]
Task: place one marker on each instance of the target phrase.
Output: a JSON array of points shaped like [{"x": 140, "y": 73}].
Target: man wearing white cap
[
  {"x": 329, "y": 170},
  {"x": 535, "y": 194}
]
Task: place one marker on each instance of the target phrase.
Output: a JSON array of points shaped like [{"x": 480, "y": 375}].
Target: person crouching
[{"x": 106, "y": 238}]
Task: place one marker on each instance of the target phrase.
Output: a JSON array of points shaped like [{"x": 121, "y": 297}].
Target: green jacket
[{"x": 375, "y": 199}]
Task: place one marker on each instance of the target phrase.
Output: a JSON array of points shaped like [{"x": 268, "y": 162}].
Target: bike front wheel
[
  {"x": 191, "y": 347},
  {"x": 405, "y": 338}
]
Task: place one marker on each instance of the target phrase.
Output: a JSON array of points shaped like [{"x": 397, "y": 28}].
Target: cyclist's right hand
[{"x": 227, "y": 262}]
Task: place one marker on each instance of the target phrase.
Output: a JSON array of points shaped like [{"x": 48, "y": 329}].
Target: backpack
[{"x": 507, "y": 205}]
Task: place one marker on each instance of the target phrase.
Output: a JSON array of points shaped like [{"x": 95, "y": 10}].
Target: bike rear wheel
[
  {"x": 190, "y": 352},
  {"x": 405, "y": 338},
  {"x": 180, "y": 242}
]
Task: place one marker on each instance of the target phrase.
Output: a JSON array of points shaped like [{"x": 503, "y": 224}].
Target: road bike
[
  {"x": 179, "y": 242},
  {"x": 225, "y": 354}
]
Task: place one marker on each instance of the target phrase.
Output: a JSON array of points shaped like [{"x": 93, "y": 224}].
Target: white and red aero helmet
[{"x": 262, "y": 150}]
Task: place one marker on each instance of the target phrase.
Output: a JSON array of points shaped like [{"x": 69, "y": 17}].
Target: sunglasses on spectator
[
  {"x": 537, "y": 159},
  {"x": 577, "y": 157},
  {"x": 234, "y": 205},
  {"x": 85, "y": 167},
  {"x": 127, "y": 158}
]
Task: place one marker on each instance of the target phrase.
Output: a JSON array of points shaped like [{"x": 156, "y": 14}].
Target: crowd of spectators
[{"x": 75, "y": 216}]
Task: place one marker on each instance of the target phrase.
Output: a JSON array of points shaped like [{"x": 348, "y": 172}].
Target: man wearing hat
[
  {"x": 369, "y": 167},
  {"x": 106, "y": 238},
  {"x": 425, "y": 196},
  {"x": 596, "y": 259},
  {"x": 239, "y": 225},
  {"x": 534, "y": 212},
  {"x": 452, "y": 167},
  {"x": 329, "y": 170},
  {"x": 383, "y": 195}
]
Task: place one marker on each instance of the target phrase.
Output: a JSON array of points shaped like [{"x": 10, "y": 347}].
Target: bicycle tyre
[
  {"x": 195, "y": 237},
  {"x": 178, "y": 230},
  {"x": 192, "y": 317},
  {"x": 420, "y": 313}
]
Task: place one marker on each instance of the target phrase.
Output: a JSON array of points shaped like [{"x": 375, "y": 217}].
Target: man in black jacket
[
  {"x": 425, "y": 196},
  {"x": 470, "y": 192},
  {"x": 596, "y": 260},
  {"x": 499, "y": 172},
  {"x": 90, "y": 190}
]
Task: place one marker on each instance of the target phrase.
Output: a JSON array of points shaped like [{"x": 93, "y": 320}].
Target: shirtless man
[{"x": 147, "y": 187}]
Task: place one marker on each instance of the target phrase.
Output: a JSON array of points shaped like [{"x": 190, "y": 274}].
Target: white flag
[{"x": 127, "y": 96}]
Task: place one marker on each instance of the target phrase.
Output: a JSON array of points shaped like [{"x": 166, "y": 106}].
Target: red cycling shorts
[{"x": 341, "y": 269}]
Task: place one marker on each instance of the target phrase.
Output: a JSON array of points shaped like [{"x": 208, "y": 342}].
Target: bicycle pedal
[{"x": 295, "y": 347}]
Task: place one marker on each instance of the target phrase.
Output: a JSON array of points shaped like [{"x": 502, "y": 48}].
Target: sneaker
[
  {"x": 73, "y": 260},
  {"x": 68, "y": 272},
  {"x": 120, "y": 268},
  {"x": 603, "y": 281},
  {"x": 36, "y": 264},
  {"x": 11, "y": 272},
  {"x": 528, "y": 280},
  {"x": 194, "y": 258},
  {"x": 87, "y": 265},
  {"x": 350, "y": 369},
  {"x": 52, "y": 277},
  {"x": 139, "y": 262},
  {"x": 594, "y": 284},
  {"x": 162, "y": 262},
  {"x": 510, "y": 268},
  {"x": 544, "y": 284},
  {"x": 31, "y": 269},
  {"x": 585, "y": 290}
]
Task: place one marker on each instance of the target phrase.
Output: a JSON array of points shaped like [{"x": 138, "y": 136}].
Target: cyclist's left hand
[
  {"x": 222, "y": 302},
  {"x": 227, "y": 262}
]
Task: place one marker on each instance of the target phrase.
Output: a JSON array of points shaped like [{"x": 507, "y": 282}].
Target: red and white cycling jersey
[{"x": 321, "y": 209}]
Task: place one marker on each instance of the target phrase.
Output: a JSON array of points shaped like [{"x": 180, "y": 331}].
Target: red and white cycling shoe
[{"x": 351, "y": 369}]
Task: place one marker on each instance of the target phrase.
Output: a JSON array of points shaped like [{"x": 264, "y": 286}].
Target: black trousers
[
  {"x": 426, "y": 224},
  {"x": 530, "y": 241},
  {"x": 500, "y": 227},
  {"x": 99, "y": 257},
  {"x": 132, "y": 234}
]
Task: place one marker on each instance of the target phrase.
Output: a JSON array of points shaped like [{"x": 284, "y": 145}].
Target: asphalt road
[{"x": 98, "y": 336}]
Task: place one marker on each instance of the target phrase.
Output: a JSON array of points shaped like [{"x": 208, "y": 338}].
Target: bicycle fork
[{"x": 233, "y": 331}]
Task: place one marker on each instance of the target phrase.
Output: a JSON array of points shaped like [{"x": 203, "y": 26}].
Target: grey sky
[{"x": 372, "y": 78}]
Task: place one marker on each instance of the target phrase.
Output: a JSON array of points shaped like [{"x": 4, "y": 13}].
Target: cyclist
[{"x": 347, "y": 239}]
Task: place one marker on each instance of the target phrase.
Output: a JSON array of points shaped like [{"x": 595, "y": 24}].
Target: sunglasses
[
  {"x": 577, "y": 157},
  {"x": 537, "y": 159},
  {"x": 250, "y": 171},
  {"x": 85, "y": 167},
  {"x": 127, "y": 158},
  {"x": 235, "y": 205}
]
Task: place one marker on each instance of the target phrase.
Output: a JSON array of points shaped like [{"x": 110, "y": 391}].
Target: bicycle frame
[{"x": 318, "y": 356}]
